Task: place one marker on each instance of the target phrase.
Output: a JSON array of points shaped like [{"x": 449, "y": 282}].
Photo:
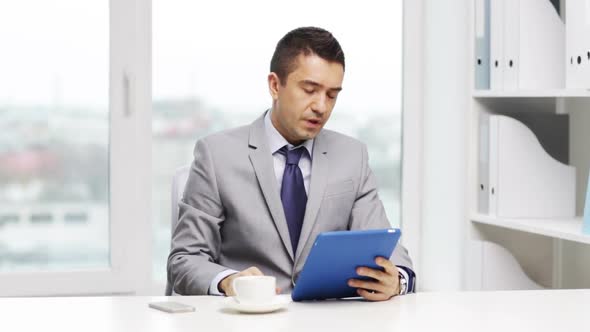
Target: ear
[{"x": 273, "y": 85}]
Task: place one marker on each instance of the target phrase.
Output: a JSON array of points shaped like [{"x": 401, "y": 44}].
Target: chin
[
  {"x": 310, "y": 135},
  {"x": 306, "y": 134}
]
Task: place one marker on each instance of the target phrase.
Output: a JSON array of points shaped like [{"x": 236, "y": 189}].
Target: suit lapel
[
  {"x": 261, "y": 160},
  {"x": 319, "y": 176}
]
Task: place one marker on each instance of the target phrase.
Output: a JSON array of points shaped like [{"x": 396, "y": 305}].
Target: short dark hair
[{"x": 306, "y": 40}]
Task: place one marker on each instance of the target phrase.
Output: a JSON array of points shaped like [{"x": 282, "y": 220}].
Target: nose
[{"x": 320, "y": 105}]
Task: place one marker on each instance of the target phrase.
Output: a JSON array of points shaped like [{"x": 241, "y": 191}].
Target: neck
[{"x": 275, "y": 122}]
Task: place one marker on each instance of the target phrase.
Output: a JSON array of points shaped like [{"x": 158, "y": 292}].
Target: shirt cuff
[
  {"x": 214, "y": 286},
  {"x": 409, "y": 276},
  {"x": 403, "y": 275}
]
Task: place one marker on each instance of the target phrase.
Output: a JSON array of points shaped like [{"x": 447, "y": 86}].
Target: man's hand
[
  {"x": 226, "y": 285},
  {"x": 386, "y": 285}
]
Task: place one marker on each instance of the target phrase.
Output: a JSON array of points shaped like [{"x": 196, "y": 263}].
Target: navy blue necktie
[{"x": 293, "y": 194}]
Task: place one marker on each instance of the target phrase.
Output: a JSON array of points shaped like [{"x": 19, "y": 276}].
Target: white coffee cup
[{"x": 255, "y": 289}]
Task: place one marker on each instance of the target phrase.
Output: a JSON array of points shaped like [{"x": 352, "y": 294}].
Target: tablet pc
[{"x": 334, "y": 258}]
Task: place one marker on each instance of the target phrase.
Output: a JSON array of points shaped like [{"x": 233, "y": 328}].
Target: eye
[
  {"x": 309, "y": 91},
  {"x": 332, "y": 96}
]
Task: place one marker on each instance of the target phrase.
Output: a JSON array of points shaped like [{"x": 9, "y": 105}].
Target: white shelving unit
[
  {"x": 515, "y": 250},
  {"x": 564, "y": 229},
  {"x": 557, "y": 93}
]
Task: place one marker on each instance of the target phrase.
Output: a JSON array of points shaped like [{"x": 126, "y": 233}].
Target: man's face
[{"x": 302, "y": 106}]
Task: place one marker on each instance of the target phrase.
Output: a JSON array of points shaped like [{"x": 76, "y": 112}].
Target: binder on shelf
[
  {"x": 577, "y": 60},
  {"x": 512, "y": 43},
  {"x": 542, "y": 40},
  {"x": 586, "y": 229},
  {"x": 483, "y": 169},
  {"x": 525, "y": 181},
  {"x": 493, "y": 166},
  {"x": 496, "y": 44},
  {"x": 482, "y": 44},
  {"x": 526, "y": 45}
]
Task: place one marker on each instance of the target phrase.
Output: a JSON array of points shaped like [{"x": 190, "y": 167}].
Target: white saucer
[{"x": 279, "y": 302}]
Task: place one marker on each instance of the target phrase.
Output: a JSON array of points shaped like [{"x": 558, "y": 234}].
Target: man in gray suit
[{"x": 257, "y": 196}]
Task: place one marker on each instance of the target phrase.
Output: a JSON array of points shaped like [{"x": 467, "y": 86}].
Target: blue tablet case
[{"x": 334, "y": 258}]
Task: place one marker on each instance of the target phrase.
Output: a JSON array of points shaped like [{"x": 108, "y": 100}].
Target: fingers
[
  {"x": 227, "y": 283},
  {"x": 373, "y": 273},
  {"x": 387, "y": 265},
  {"x": 373, "y": 296},
  {"x": 278, "y": 290},
  {"x": 381, "y": 277},
  {"x": 368, "y": 285},
  {"x": 385, "y": 285},
  {"x": 373, "y": 291},
  {"x": 251, "y": 271}
]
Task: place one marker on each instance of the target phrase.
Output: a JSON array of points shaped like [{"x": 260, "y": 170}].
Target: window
[
  {"x": 60, "y": 97},
  {"x": 54, "y": 139}
]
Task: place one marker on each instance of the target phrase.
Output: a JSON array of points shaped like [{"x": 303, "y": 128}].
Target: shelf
[
  {"x": 556, "y": 93},
  {"x": 565, "y": 229}
]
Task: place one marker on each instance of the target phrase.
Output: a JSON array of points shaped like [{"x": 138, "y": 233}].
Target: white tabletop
[{"x": 547, "y": 310}]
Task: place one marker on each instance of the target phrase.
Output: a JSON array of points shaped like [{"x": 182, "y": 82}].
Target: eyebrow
[{"x": 316, "y": 84}]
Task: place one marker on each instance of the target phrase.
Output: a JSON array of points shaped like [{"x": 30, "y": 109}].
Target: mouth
[{"x": 314, "y": 123}]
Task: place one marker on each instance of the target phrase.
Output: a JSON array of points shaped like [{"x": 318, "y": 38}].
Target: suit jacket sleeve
[
  {"x": 368, "y": 211},
  {"x": 196, "y": 239}
]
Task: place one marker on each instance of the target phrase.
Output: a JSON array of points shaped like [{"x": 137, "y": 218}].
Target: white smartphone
[{"x": 171, "y": 307}]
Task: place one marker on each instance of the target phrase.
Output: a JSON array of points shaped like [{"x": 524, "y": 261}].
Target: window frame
[{"x": 412, "y": 128}]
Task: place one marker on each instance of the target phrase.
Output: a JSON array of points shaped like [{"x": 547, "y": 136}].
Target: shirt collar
[{"x": 276, "y": 141}]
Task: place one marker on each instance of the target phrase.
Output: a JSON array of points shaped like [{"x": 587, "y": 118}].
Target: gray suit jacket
[{"x": 231, "y": 215}]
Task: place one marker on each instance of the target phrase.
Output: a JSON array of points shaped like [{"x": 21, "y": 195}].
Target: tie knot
[{"x": 293, "y": 156}]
